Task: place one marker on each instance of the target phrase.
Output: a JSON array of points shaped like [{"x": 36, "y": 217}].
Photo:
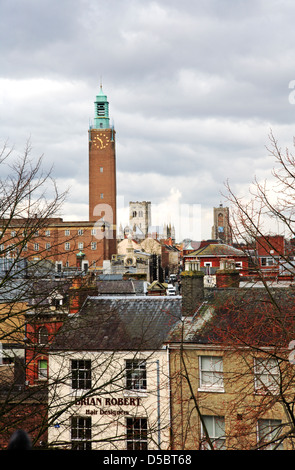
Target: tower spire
[{"x": 101, "y": 111}]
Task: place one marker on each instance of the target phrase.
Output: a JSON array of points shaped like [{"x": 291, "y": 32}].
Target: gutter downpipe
[
  {"x": 158, "y": 399},
  {"x": 169, "y": 391}
]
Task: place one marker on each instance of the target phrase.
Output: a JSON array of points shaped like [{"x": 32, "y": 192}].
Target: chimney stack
[
  {"x": 192, "y": 287},
  {"x": 227, "y": 275},
  {"x": 79, "y": 291}
]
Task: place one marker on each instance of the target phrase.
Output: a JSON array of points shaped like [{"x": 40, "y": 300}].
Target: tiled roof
[
  {"x": 247, "y": 317},
  {"x": 120, "y": 323},
  {"x": 218, "y": 249}
]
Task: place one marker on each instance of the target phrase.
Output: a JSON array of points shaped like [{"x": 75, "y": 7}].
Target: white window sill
[
  {"x": 135, "y": 393},
  {"x": 79, "y": 391},
  {"x": 267, "y": 391},
  {"x": 211, "y": 390}
]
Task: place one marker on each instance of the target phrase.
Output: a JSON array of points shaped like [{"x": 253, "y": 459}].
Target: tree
[
  {"x": 29, "y": 295},
  {"x": 231, "y": 373},
  {"x": 254, "y": 328},
  {"x": 268, "y": 210},
  {"x": 257, "y": 326},
  {"x": 29, "y": 198},
  {"x": 242, "y": 339}
]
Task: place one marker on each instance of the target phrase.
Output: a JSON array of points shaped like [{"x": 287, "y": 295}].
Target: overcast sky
[{"x": 194, "y": 88}]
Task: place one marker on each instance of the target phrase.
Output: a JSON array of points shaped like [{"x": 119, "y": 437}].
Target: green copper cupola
[{"x": 101, "y": 111}]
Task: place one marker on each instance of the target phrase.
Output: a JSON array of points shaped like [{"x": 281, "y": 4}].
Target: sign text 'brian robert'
[{"x": 97, "y": 401}]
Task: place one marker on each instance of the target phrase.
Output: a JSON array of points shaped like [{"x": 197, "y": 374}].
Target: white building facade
[
  {"x": 109, "y": 401},
  {"x": 113, "y": 397}
]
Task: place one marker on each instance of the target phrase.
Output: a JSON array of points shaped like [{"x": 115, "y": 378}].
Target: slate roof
[
  {"x": 120, "y": 287},
  {"x": 119, "y": 323},
  {"x": 110, "y": 277},
  {"x": 32, "y": 291}
]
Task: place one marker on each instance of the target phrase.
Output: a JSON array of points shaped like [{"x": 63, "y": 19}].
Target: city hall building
[{"x": 70, "y": 244}]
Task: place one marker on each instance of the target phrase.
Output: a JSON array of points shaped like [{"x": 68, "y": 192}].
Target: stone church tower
[
  {"x": 221, "y": 228},
  {"x": 140, "y": 216}
]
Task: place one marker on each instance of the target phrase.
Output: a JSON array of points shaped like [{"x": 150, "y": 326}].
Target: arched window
[
  {"x": 220, "y": 219},
  {"x": 42, "y": 369},
  {"x": 43, "y": 335}
]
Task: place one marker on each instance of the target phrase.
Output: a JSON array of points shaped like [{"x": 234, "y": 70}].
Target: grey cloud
[{"x": 194, "y": 88}]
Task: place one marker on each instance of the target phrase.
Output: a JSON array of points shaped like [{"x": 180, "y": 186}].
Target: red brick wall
[
  {"x": 264, "y": 245},
  {"x": 58, "y": 250},
  {"x": 102, "y": 182},
  {"x": 36, "y": 352}
]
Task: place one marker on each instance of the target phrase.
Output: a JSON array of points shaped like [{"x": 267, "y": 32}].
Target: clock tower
[{"x": 102, "y": 169}]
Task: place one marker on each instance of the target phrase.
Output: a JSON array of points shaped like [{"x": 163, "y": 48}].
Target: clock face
[
  {"x": 101, "y": 141},
  {"x": 129, "y": 261}
]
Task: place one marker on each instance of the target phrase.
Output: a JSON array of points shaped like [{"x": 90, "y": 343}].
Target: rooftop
[
  {"x": 220, "y": 249},
  {"x": 245, "y": 317},
  {"x": 117, "y": 323}
]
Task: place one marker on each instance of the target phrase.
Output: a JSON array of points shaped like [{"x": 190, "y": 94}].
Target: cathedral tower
[{"x": 102, "y": 166}]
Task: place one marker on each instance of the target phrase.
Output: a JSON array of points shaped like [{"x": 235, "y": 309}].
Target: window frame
[
  {"x": 269, "y": 261},
  {"x": 81, "y": 377},
  {"x": 42, "y": 371},
  {"x": 81, "y": 432},
  {"x": 211, "y": 385},
  {"x": 272, "y": 433},
  {"x": 215, "y": 437},
  {"x": 135, "y": 375},
  {"x": 42, "y": 334},
  {"x": 208, "y": 266},
  {"x": 58, "y": 266},
  {"x": 270, "y": 385},
  {"x": 136, "y": 433}
]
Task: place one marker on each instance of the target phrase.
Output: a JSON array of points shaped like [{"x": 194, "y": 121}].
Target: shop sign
[{"x": 105, "y": 405}]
